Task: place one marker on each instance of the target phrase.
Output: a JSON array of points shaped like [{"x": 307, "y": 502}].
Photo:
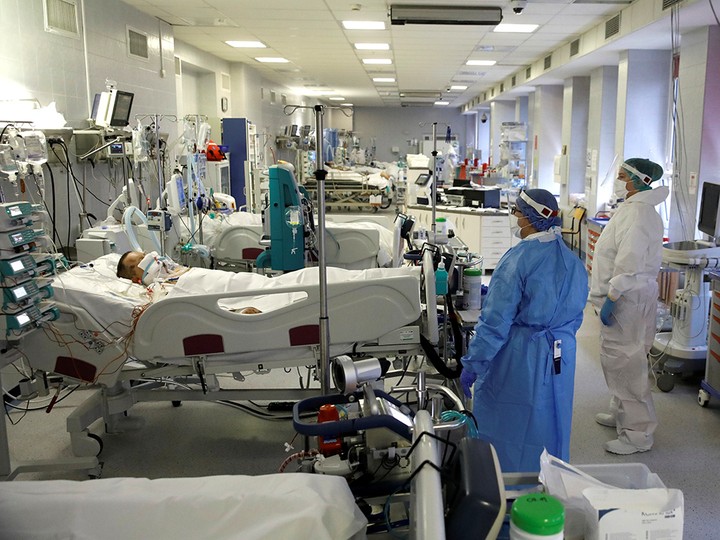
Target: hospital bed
[
  {"x": 234, "y": 240},
  {"x": 292, "y": 505},
  {"x": 110, "y": 332},
  {"x": 353, "y": 189}
]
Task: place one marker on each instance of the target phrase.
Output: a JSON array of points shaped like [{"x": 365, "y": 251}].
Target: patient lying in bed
[{"x": 150, "y": 268}]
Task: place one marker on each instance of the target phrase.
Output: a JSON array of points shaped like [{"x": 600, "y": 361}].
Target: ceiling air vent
[
  {"x": 612, "y": 26},
  {"x": 502, "y": 87},
  {"x": 137, "y": 44},
  {"x": 513, "y": 81},
  {"x": 528, "y": 73},
  {"x": 484, "y": 96},
  {"x": 61, "y": 17},
  {"x": 441, "y": 14},
  {"x": 574, "y": 47},
  {"x": 492, "y": 92},
  {"x": 669, "y": 3},
  {"x": 547, "y": 63},
  {"x": 416, "y": 103}
]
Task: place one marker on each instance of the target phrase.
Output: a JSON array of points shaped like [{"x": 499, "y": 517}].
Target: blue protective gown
[{"x": 536, "y": 295}]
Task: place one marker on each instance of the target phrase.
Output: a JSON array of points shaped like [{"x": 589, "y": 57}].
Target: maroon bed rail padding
[
  {"x": 75, "y": 368},
  {"x": 203, "y": 344},
  {"x": 251, "y": 253},
  {"x": 308, "y": 334}
]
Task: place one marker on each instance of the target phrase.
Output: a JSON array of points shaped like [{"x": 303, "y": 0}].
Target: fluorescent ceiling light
[
  {"x": 481, "y": 62},
  {"x": 383, "y": 79},
  {"x": 337, "y": 98},
  {"x": 517, "y": 28},
  {"x": 272, "y": 60},
  {"x": 346, "y": 104},
  {"x": 442, "y": 103},
  {"x": 384, "y": 61},
  {"x": 372, "y": 46},
  {"x": 247, "y": 44},
  {"x": 364, "y": 25},
  {"x": 458, "y": 87}
]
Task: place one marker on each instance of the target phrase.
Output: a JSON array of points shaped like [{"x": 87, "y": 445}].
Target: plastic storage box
[{"x": 624, "y": 475}]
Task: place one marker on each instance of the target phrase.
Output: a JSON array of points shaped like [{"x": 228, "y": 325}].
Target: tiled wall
[{"x": 52, "y": 68}]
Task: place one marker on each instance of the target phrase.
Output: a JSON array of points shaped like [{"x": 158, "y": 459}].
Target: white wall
[
  {"x": 35, "y": 64},
  {"x": 396, "y": 126}
]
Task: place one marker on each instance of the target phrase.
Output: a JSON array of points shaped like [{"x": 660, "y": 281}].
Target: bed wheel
[
  {"x": 176, "y": 403},
  {"x": 86, "y": 444}
]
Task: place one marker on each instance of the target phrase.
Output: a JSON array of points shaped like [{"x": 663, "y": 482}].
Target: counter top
[{"x": 461, "y": 209}]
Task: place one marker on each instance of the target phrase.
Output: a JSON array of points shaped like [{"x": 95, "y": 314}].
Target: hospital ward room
[{"x": 302, "y": 272}]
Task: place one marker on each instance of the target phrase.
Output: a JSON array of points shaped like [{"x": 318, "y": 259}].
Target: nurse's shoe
[
  {"x": 606, "y": 419},
  {"x": 622, "y": 448}
]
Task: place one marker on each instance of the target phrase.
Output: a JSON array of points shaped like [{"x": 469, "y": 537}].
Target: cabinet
[{"x": 486, "y": 233}]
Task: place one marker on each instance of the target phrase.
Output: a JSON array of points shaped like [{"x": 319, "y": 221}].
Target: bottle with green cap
[{"x": 537, "y": 516}]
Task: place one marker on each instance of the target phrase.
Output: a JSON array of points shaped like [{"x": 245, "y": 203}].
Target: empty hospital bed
[{"x": 111, "y": 332}]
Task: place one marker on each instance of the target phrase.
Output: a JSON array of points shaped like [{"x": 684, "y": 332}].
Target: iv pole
[
  {"x": 320, "y": 174},
  {"x": 433, "y": 175}
]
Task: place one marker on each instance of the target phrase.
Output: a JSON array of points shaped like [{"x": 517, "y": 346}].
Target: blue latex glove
[
  {"x": 467, "y": 379},
  {"x": 606, "y": 311}
]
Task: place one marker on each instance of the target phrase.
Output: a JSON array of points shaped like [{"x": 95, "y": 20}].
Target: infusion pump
[{"x": 25, "y": 274}]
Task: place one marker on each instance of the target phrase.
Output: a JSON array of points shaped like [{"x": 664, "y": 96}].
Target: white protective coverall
[{"x": 627, "y": 259}]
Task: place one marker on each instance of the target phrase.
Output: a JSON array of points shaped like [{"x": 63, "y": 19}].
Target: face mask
[
  {"x": 151, "y": 266},
  {"x": 515, "y": 227},
  {"x": 620, "y": 191}
]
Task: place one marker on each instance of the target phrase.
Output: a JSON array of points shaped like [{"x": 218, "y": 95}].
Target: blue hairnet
[
  {"x": 544, "y": 197},
  {"x": 652, "y": 170}
]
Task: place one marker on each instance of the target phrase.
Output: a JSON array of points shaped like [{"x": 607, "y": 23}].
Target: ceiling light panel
[
  {"x": 377, "y": 61},
  {"x": 272, "y": 60},
  {"x": 363, "y": 25},
  {"x": 516, "y": 28},
  {"x": 372, "y": 46},
  {"x": 384, "y": 79},
  {"x": 481, "y": 62},
  {"x": 247, "y": 44}
]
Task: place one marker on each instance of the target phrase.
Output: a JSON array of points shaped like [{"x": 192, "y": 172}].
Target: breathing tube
[{"x": 130, "y": 211}]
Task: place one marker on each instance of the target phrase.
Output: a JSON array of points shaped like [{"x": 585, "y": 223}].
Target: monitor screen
[
  {"x": 423, "y": 179},
  {"x": 95, "y": 106},
  {"x": 120, "y": 116},
  {"x": 709, "y": 204}
]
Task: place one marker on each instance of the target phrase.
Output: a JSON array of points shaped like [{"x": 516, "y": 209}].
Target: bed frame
[{"x": 193, "y": 336}]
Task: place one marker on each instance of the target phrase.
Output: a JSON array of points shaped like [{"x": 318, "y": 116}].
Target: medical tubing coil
[{"x": 130, "y": 230}]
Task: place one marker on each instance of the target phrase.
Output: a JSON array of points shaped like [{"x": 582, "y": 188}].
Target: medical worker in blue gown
[{"x": 522, "y": 356}]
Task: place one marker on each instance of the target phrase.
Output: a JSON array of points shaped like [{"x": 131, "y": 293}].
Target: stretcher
[{"x": 111, "y": 332}]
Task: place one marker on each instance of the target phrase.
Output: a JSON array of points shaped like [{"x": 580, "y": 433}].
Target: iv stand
[
  {"x": 83, "y": 210},
  {"x": 433, "y": 175},
  {"x": 320, "y": 174}
]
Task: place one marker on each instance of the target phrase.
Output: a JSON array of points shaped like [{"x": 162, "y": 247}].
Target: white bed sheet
[
  {"x": 293, "y": 505},
  {"x": 111, "y": 300}
]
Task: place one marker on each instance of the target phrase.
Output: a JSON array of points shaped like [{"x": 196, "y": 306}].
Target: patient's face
[{"x": 132, "y": 270}]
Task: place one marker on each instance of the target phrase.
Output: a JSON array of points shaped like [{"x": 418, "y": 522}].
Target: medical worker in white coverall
[{"x": 624, "y": 286}]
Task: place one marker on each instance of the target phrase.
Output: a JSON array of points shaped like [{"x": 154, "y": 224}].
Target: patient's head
[{"x": 128, "y": 266}]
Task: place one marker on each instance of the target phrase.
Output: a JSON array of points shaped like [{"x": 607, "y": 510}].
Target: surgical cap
[
  {"x": 649, "y": 172},
  {"x": 537, "y": 220}
]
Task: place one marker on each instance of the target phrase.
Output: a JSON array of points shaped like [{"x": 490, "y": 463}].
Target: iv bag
[
  {"x": 292, "y": 216},
  {"x": 7, "y": 160},
  {"x": 35, "y": 147}
]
